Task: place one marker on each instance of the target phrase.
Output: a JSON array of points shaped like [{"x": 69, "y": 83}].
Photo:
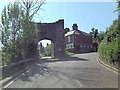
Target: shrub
[{"x": 110, "y": 49}]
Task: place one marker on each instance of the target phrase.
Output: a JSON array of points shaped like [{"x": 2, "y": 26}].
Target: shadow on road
[
  {"x": 90, "y": 75},
  {"x": 37, "y": 70},
  {"x": 40, "y": 68},
  {"x": 63, "y": 59}
]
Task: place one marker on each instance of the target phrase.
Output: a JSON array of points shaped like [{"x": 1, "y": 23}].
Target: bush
[
  {"x": 109, "y": 48},
  {"x": 52, "y": 56}
]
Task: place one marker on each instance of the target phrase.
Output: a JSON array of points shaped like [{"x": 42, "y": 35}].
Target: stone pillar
[
  {"x": 59, "y": 44},
  {"x": 59, "y": 49}
]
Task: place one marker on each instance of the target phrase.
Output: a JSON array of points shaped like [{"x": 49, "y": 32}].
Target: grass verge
[{"x": 69, "y": 53}]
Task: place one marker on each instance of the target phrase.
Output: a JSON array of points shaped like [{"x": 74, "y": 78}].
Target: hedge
[{"x": 109, "y": 48}]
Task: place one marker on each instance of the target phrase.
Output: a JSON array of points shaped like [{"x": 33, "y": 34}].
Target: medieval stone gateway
[{"x": 55, "y": 33}]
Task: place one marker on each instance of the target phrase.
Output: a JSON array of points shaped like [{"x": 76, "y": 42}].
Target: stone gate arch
[{"x": 55, "y": 33}]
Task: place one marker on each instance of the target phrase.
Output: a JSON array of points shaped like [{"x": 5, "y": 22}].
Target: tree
[
  {"x": 94, "y": 32},
  {"x": 30, "y": 7},
  {"x": 97, "y": 37},
  {"x": 19, "y": 31},
  {"x": 118, "y": 10},
  {"x": 109, "y": 48},
  {"x": 49, "y": 49},
  {"x": 11, "y": 31},
  {"x": 118, "y": 6},
  {"x": 101, "y": 36}
]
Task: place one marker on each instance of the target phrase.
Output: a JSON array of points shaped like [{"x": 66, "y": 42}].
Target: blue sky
[{"x": 86, "y": 14}]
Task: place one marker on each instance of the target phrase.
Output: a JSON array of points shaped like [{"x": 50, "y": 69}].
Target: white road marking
[
  {"x": 26, "y": 70},
  {"x": 80, "y": 83},
  {"x": 12, "y": 81}
]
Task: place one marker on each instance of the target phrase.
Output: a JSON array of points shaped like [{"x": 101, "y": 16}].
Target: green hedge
[{"x": 109, "y": 48}]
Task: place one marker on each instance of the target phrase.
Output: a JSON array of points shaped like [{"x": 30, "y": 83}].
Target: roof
[
  {"x": 78, "y": 32},
  {"x": 69, "y": 33}
]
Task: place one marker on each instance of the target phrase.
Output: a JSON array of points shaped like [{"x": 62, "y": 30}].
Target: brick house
[{"x": 78, "y": 41}]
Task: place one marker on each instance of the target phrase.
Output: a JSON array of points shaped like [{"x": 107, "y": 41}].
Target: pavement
[{"x": 77, "y": 71}]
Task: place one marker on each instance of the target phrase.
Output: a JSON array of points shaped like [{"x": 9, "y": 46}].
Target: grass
[
  {"x": 52, "y": 56},
  {"x": 69, "y": 53},
  {"x": 40, "y": 56}
]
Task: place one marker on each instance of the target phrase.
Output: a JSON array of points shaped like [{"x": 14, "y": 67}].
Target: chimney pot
[{"x": 75, "y": 27}]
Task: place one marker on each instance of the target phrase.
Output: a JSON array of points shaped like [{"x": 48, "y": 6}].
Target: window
[
  {"x": 68, "y": 38},
  {"x": 68, "y": 46},
  {"x": 91, "y": 46},
  {"x": 81, "y": 46},
  {"x": 84, "y": 46},
  {"x": 88, "y": 46}
]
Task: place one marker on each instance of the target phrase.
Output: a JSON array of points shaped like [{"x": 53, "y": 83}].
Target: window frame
[{"x": 69, "y": 39}]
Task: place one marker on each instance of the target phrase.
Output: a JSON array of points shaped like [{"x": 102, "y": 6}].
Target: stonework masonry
[{"x": 55, "y": 33}]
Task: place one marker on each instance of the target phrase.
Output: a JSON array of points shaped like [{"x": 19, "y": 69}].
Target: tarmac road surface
[{"x": 77, "y": 71}]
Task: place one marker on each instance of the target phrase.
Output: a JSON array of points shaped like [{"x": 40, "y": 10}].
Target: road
[{"x": 77, "y": 71}]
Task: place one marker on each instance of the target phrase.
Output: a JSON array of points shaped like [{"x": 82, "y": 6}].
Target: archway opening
[{"x": 46, "y": 49}]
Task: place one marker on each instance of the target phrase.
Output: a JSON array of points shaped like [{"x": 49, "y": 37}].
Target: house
[{"x": 78, "y": 41}]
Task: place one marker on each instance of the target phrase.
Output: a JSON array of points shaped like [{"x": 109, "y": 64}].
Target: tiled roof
[
  {"x": 69, "y": 33},
  {"x": 76, "y": 32}
]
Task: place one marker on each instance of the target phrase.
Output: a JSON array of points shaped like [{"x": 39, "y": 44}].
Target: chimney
[{"x": 75, "y": 27}]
